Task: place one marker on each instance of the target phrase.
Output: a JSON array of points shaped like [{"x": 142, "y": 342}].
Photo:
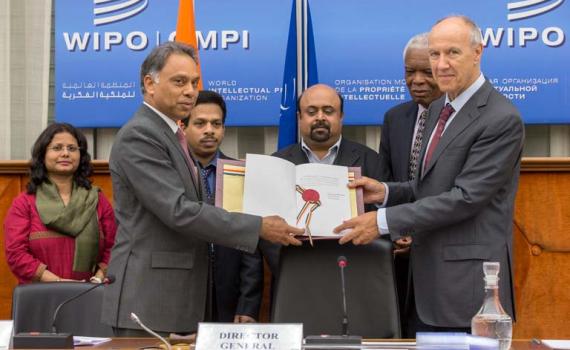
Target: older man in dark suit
[
  {"x": 402, "y": 138},
  {"x": 459, "y": 208},
  {"x": 404, "y": 124},
  {"x": 160, "y": 258}
]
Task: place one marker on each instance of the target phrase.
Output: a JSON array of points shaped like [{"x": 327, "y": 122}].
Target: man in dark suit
[
  {"x": 404, "y": 123},
  {"x": 320, "y": 114},
  {"x": 237, "y": 285},
  {"x": 160, "y": 258},
  {"x": 459, "y": 208},
  {"x": 402, "y": 138}
]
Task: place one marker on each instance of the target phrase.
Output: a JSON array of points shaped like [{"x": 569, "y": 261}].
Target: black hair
[
  {"x": 207, "y": 96},
  {"x": 38, "y": 171}
]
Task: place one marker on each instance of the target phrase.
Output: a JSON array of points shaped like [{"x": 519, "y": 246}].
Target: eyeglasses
[{"x": 60, "y": 148}]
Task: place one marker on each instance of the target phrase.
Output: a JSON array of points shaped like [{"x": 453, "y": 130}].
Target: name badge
[{"x": 249, "y": 336}]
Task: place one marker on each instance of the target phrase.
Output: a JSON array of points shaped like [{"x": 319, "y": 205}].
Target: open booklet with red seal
[{"x": 310, "y": 196}]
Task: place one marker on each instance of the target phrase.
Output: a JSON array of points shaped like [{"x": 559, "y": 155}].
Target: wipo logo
[
  {"x": 542, "y": 6},
  {"x": 108, "y": 11}
]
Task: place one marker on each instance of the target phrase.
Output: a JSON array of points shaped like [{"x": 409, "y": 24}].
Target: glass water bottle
[{"x": 492, "y": 321}]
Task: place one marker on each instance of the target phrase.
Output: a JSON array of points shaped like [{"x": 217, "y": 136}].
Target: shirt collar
[
  {"x": 462, "y": 99},
  {"x": 212, "y": 162},
  {"x": 333, "y": 148},
  {"x": 171, "y": 123},
  {"x": 421, "y": 109}
]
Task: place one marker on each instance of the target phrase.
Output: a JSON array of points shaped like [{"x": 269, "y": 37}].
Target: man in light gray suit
[
  {"x": 160, "y": 257},
  {"x": 459, "y": 209}
]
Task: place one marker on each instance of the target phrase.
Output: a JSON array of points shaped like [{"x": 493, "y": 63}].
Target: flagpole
[
  {"x": 305, "y": 40},
  {"x": 300, "y": 31}
]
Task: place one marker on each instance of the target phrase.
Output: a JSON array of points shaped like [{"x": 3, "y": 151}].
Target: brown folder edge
[
  {"x": 359, "y": 194},
  {"x": 220, "y": 178}
]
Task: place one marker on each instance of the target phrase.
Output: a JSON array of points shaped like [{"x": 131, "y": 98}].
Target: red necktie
[{"x": 446, "y": 112}]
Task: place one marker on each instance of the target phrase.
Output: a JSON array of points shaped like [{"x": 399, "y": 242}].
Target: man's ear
[
  {"x": 149, "y": 84},
  {"x": 478, "y": 53}
]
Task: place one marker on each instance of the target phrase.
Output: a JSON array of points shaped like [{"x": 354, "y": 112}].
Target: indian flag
[{"x": 186, "y": 29}]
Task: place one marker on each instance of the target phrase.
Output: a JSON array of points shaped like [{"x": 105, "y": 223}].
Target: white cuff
[{"x": 382, "y": 222}]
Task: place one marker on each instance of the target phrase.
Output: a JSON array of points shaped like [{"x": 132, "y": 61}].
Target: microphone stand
[
  {"x": 54, "y": 340},
  {"x": 136, "y": 320},
  {"x": 67, "y": 301},
  {"x": 338, "y": 340},
  {"x": 342, "y": 265}
]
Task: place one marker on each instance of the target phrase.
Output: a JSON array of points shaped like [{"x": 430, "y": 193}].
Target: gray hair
[
  {"x": 476, "y": 37},
  {"x": 155, "y": 61},
  {"x": 419, "y": 41}
]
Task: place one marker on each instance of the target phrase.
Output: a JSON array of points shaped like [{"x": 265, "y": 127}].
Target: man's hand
[
  {"x": 402, "y": 245},
  {"x": 243, "y": 319},
  {"x": 364, "y": 229},
  {"x": 373, "y": 191},
  {"x": 276, "y": 230}
]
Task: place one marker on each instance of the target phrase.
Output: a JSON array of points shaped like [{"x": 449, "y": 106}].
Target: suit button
[{"x": 536, "y": 249}]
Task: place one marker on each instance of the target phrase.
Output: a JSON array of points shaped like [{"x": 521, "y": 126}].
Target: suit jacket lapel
[
  {"x": 221, "y": 155},
  {"x": 297, "y": 156},
  {"x": 433, "y": 116},
  {"x": 346, "y": 155},
  {"x": 173, "y": 143},
  {"x": 408, "y": 124},
  {"x": 468, "y": 113}
]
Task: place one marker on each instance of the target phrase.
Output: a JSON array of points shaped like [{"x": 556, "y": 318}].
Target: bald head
[
  {"x": 455, "y": 54},
  {"x": 320, "y": 116},
  {"x": 319, "y": 87}
]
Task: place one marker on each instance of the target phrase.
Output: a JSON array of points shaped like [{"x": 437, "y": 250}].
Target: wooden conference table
[{"x": 151, "y": 343}]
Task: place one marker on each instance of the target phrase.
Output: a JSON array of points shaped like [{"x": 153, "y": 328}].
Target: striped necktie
[{"x": 417, "y": 146}]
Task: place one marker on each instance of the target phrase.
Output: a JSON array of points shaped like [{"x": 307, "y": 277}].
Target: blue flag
[
  {"x": 288, "y": 107},
  {"x": 311, "y": 54}
]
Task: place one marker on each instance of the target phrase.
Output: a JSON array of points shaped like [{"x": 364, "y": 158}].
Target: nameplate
[
  {"x": 6, "y": 328},
  {"x": 249, "y": 336}
]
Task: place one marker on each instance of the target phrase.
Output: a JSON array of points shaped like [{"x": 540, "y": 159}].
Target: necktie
[
  {"x": 205, "y": 172},
  {"x": 417, "y": 146},
  {"x": 444, "y": 115},
  {"x": 184, "y": 145}
]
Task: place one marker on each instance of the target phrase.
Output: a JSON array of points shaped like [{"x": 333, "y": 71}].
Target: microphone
[
  {"x": 54, "y": 340},
  {"x": 136, "y": 319},
  {"x": 344, "y": 339},
  {"x": 107, "y": 280},
  {"x": 342, "y": 263}
]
